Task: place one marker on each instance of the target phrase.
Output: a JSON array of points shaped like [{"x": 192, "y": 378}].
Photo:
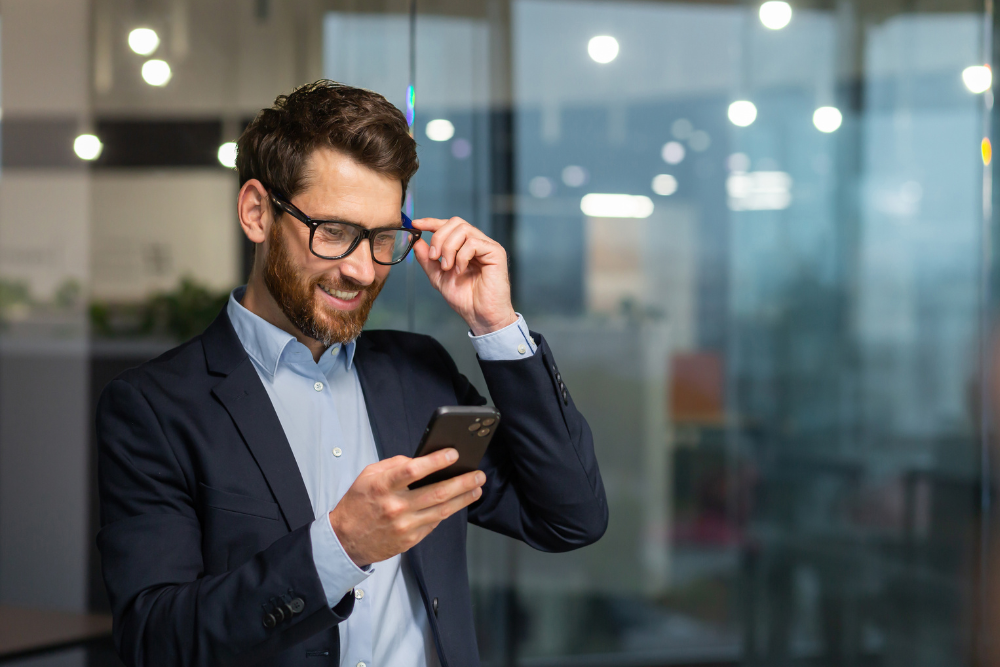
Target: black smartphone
[{"x": 468, "y": 429}]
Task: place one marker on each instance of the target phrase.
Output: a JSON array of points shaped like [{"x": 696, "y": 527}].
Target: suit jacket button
[
  {"x": 434, "y": 606},
  {"x": 270, "y": 621},
  {"x": 296, "y": 605},
  {"x": 280, "y": 613}
]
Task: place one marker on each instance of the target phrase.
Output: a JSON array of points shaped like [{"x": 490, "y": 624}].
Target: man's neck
[{"x": 258, "y": 300}]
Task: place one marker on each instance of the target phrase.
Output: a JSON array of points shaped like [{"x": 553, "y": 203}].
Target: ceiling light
[
  {"x": 664, "y": 185},
  {"x": 775, "y": 14},
  {"x": 439, "y": 129},
  {"x": 603, "y": 48},
  {"x": 156, "y": 72},
  {"x": 597, "y": 205},
  {"x": 87, "y": 147},
  {"x": 742, "y": 113},
  {"x": 227, "y": 154},
  {"x": 977, "y": 78},
  {"x": 827, "y": 119},
  {"x": 143, "y": 41}
]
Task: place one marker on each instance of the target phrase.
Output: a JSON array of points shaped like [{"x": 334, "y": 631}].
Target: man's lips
[{"x": 339, "y": 299}]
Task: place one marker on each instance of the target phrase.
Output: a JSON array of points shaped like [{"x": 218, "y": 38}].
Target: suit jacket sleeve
[
  {"x": 543, "y": 485},
  {"x": 166, "y": 610}
]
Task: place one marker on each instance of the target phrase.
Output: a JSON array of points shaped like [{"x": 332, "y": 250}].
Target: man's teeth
[{"x": 346, "y": 296}]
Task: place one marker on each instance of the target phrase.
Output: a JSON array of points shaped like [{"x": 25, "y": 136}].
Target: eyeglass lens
[{"x": 333, "y": 240}]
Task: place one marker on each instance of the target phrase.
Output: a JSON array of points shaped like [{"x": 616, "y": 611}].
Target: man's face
[{"x": 329, "y": 300}]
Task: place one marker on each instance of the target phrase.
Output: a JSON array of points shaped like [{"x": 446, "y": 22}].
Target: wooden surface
[{"x": 26, "y": 631}]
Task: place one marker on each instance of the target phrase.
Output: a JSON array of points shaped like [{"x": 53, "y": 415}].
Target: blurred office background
[{"x": 759, "y": 239}]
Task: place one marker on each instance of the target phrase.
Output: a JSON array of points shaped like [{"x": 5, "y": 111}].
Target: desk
[{"x": 26, "y": 632}]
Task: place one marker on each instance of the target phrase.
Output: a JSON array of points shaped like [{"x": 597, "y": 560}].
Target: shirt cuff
[
  {"x": 337, "y": 572},
  {"x": 507, "y": 344}
]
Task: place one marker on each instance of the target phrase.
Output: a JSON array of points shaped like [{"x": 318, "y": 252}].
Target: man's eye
[{"x": 331, "y": 233}]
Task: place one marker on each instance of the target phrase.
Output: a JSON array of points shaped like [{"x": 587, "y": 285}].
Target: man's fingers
[
  {"x": 421, "y": 466},
  {"x": 445, "y": 490},
  {"x": 429, "y": 224},
  {"x": 450, "y": 245},
  {"x": 466, "y": 254},
  {"x": 442, "y": 511},
  {"x": 431, "y": 267}
]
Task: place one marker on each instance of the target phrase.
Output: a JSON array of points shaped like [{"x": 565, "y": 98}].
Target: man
[{"x": 254, "y": 481}]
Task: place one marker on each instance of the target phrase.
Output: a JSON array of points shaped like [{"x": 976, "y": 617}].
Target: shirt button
[
  {"x": 361, "y": 664},
  {"x": 318, "y": 386},
  {"x": 521, "y": 349},
  {"x": 333, "y": 350},
  {"x": 358, "y": 593},
  {"x": 337, "y": 452}
]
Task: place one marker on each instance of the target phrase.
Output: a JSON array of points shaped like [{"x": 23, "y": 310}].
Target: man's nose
[{"x": 359, "y": 266}]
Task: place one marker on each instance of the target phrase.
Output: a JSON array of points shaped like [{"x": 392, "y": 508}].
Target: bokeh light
[
  {"x": 977, "y": 78},
  {"x": 227, "y": 154},
  {"x": 664, "y": 185},
  {"x": 574, "y": 176},
  {"x": 439, "y": 129},
  {"x": 987, "y": 150},
  {"x": 540, "y": 187},
  {"x": 742, "y": 113},
  {"x": 700, "y": 141},
  {"x": 827, "y": 119},
  {"x": 603, "y": 48},
  {"x": 156, "y": 72},
  {"x": 143, "y": 41},
  {"x": 599, "y": 205},
  {"x": 87, "y": 147},
  {"x": 775, "y": 14},
  {"x": 672, "y": 152}
]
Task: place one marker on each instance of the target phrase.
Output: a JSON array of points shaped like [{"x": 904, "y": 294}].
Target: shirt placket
[{"x": 341, "y": 467}]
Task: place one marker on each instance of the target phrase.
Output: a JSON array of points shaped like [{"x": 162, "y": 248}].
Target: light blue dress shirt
[{"x": 322, "y": 411}]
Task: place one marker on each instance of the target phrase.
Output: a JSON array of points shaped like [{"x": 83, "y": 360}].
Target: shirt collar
[{"x": 265, "y": 342}]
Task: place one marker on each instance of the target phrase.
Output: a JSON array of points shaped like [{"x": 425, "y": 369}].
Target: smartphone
[{"x": 468, "y": 429}]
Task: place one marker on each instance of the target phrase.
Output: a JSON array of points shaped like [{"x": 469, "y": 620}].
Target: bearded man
[{"x": 254, "y": 481}]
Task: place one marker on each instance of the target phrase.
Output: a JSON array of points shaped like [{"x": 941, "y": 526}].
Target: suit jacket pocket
[
  {"x": 234, "y": 502},
  {"x": 235, "y": 527}
]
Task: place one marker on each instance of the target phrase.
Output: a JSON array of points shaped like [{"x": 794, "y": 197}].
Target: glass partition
[{"x": 756, "y": 237}]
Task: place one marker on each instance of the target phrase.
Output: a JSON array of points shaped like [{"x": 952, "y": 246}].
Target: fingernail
[
  {"x": 451, "y": 455},
  {"x": 480, "y": 478},
  {"x": 476, "y": 492}
]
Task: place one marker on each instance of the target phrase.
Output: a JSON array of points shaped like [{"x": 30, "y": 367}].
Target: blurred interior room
[{"x": 758, "y": 236}]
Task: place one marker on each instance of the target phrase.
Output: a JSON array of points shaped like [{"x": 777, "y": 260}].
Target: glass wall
[{"x": 757, "y": 243}]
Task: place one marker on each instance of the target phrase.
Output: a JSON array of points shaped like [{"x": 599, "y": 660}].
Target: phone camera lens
[
  {"x": 489, "y": 422},
  {"x": 482, "y": 432},
  {"x": 473, "y": 428}
]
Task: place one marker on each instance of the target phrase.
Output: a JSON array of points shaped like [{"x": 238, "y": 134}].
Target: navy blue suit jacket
[{"x": 205, "y": 517}]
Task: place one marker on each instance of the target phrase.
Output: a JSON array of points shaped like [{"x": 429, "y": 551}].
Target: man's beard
[{"x": 298, "y": 299}]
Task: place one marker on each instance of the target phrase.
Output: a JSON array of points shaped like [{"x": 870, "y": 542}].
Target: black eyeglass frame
[{"x": 365, "y": 232}]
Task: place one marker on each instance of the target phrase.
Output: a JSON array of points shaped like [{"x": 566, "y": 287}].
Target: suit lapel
[
  {"x": 384, "y": 399},
  {"x": 243, "y": 395}
]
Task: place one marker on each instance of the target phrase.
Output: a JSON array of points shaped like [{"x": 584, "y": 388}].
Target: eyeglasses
[{"x": 331, "y": 239}]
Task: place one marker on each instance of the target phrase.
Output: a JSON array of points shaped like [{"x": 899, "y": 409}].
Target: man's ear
[{"x": 254, "y": 209}]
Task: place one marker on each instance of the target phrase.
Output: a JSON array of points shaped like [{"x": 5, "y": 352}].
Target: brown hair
[{"x": 275, "y": 146}]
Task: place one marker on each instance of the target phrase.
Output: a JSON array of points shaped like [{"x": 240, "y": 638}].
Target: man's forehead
[{"x": 340, "y": 186}]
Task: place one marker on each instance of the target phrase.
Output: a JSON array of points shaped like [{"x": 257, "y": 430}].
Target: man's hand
[
  {"x": 470, "y": 270},
  {"x": 380, "y": 517}
]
